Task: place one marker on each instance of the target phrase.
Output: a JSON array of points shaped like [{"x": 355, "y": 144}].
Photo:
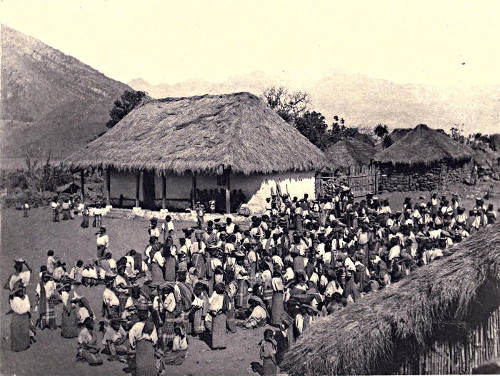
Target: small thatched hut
[
  {"x": 168, "y": 152},
  {"x": 350, "y": 156},
  {"x": 424, "y": 159},
  {"x": 444, "y": 318}
]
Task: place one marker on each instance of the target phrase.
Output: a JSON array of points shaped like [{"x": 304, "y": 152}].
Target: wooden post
[
  {"x": 137, "y": 186},
  {"x": 228, "y": 195},
  {"x": 108, "y": 186},
  {"x": 82, "y": 183},
  {"x": 193, "y": 196},
  {"x": 163, "y": 190}
]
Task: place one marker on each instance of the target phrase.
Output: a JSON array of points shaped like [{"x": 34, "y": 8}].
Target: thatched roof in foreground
[
  {"x": 423, "y": 145},
  {"x": 367, "y": 336},
  {"x": 350, "y": 151},
  {"x": 199, "y": 134}
]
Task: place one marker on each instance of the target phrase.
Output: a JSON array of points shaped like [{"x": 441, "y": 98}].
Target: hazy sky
[{"x": 161, "y": 41}]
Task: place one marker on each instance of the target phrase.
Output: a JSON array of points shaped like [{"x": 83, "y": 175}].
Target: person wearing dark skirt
[
  {"x": 268, "y": 354},
  {"x": 215, "y": 321},
  {"x": 20, "y": 325},
  {"x": 199, "y": 308},
  {"x": 69, "y": 316},
  {"x": 85, "y": 216},
  {"x": 170, "y": 264},
  {"x": 47, "y": 296},
  {"x": 277, "y": 307},
  {"x": 143, "y": 338}
]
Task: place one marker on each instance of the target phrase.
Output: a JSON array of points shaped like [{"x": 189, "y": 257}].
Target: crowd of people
[{"x": 300, "y": 260}]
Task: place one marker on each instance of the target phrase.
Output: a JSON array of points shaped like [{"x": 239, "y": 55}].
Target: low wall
[{"x": 421, "y": 178}]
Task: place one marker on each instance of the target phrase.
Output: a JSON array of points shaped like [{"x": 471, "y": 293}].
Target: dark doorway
[{"x": 148, "y": 188}]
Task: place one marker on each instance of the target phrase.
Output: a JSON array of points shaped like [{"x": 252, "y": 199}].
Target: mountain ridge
[{"x": 50, "y": 101}]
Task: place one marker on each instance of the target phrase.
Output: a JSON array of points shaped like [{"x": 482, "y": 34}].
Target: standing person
[
  {"x": 85, "y": 216},
  {"x": 170, "y": 264},
  {"x": 154, "y": 230},
  {"x": 157, "y": 264},
  {"x": 199, "y": 308},
  {"x": 69, "y": 318},
  {"x": 65, "y": 209},
  {"x": 215, "y": 321},
  {"x": 47, "y": 295},
  {"x": 102, "y": 242},
  {"x": 26, "y": 209},
  {"x": 143, "y": 338},
  {"x": 277, "y": 308},
  {"x": 200, "y": 213},
  {"x": 20, "y": 331},
  {"x": 282, "y": 343},
  {"x": 54, "y": 204},
  {"x": 268, "y": 354}
]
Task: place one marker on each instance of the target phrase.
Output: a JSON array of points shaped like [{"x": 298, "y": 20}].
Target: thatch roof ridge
[
  {"x": 356, "y": 149},
  {"x": 200, "y": 133},
  {"x": 423, "y": 145},
  {"x": 363, "y": 337}
]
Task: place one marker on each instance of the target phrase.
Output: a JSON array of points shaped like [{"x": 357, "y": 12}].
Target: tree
[
  {"x": 313, "y": 126},
  {"x": 381, "y": 130},
  {"x": 290, "y": 106},
  {"x": 129, "y": 100},
  {"x": 387, "y": 141}
]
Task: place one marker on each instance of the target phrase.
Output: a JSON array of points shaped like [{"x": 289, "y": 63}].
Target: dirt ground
[{"x": 31, "y": 237}]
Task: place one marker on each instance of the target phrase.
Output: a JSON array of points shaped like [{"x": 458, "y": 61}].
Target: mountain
[
  {"x": 365, "y": 101},
  {"x": 49, "y": 101}
]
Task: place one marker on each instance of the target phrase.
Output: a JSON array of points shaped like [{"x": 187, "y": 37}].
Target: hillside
[
  {"x": 366, "y": 101},
  {"x": 50, "y": 101}
]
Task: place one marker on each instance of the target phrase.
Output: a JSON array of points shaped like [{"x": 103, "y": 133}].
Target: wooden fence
[
  {"x": 360, "y": 185},
  {"x": 481, "y": 345}
]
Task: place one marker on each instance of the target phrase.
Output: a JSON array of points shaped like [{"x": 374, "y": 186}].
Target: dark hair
[{"x": 50, "y": 252}]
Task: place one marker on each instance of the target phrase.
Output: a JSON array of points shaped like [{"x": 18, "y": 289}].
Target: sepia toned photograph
[{"x": 255, "y": 188}]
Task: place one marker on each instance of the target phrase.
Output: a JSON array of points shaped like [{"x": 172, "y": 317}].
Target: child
[
  {"x": 55, "y": 209},
  {"x": 26, "y": 208},
  {"x": 268, "y": 353},
  {"x": 200, "y": 213},
  {"x": 167, "y": 226},
  {"x": 51, "y": 261}
]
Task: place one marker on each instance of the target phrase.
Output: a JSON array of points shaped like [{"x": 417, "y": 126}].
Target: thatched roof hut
[
  {"x": 422, "y": 324},
  {"x": 174, "y": 151},
  {"x": 425, "y": 146},
  {"x": 199, "y": 134},
  {"x": 350, "y": 152},
  {"x": 399, "y": 133}
]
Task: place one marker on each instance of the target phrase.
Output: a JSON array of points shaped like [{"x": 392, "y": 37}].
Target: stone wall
[{"x": 422, "y": 178}]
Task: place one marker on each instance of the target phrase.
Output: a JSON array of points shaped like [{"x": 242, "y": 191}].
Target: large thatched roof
[
  {"x": 423, "y": 145},
  {"x": 369, "y": 335},
  {"x": 350, "y": 151},
  {"x": 199, "y": 134}
]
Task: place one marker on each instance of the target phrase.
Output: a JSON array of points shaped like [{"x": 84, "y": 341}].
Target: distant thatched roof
[
  {"x": 423, "y": 145},
  {"x": 350, "y": 151},
  {"x": 199, "y": 134},
  {"x": 399, "y": 133},
  {"x": 443, "y": 297}
]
